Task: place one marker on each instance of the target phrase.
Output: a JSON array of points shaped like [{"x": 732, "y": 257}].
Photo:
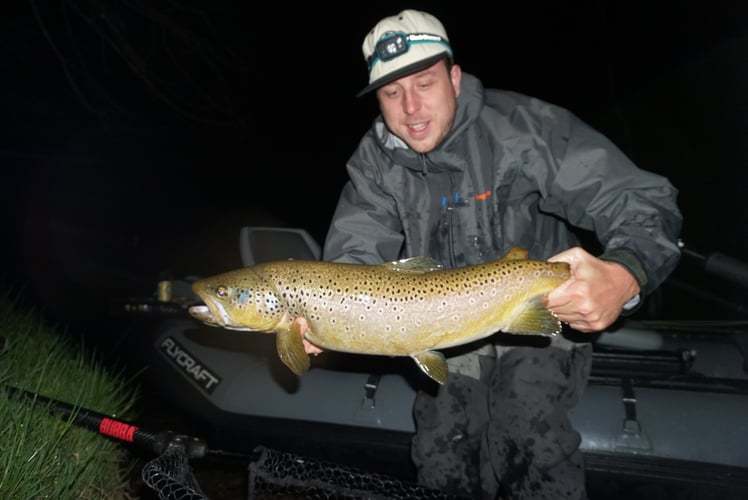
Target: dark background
[{"x": 138, "y": 137}]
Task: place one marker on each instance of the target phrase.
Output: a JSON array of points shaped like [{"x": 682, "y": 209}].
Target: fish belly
[{"x": 397, "y": 328}]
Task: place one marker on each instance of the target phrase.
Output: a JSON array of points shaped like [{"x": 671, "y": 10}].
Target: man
[{"x": 462, "y": 174}]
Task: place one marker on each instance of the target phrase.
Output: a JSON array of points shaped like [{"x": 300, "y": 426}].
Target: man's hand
[
  {"x": 593, "y": 298},
  {"x": 309, "y": 348}
]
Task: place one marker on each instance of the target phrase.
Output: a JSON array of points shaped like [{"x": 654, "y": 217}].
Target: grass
[{"x": 43, "y": 455}]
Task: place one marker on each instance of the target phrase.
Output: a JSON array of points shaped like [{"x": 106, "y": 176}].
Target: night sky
[{"x": 138, "y": 139}]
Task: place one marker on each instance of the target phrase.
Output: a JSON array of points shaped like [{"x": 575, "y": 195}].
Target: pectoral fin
[
  {"x": 291, "y": 349},
  {"x": 433, "y": 364},
  {"x": 536, "y": 319}
]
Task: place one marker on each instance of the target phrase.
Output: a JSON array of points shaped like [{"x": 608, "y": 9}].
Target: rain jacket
[{"x": 514, "y": 171}]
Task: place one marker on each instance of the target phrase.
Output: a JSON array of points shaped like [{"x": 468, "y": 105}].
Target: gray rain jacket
[{"x": 514, "y": 171}]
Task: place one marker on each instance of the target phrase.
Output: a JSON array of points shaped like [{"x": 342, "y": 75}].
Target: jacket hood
[{"x": 469, "y": 104}]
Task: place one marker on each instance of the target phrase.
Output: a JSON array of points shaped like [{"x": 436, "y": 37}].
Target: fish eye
[{"x": 222, "y": 292}]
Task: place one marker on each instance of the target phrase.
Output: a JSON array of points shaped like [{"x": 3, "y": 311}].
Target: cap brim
[{"x": 407, "y": 70}]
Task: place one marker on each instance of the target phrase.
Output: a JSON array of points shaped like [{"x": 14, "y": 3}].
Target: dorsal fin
[
  {"x": 515, "y": 253},
  {"x": 419, "y": 264}
]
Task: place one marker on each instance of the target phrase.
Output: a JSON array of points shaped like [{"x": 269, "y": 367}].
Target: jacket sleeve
[
  {"x": 365, "y": 226},
  {"x": 633, "y": 212}
]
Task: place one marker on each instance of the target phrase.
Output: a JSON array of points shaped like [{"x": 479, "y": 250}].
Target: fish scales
[
  {"x": 404, "y": 308},
  {"x": 378, "y": 311}
]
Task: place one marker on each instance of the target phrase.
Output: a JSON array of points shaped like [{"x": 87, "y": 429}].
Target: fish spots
[
  {"x": 271, "y": 302},
  {"x": 402, "y": 329}
]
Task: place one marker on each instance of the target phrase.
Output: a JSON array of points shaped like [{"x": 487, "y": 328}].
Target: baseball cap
[{"x": 403, "y": 44}]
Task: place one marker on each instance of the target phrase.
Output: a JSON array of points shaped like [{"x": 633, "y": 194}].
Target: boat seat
[{"x": 262, "y": 244}]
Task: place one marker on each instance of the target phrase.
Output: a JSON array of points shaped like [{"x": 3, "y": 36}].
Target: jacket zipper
[
  {"x": 450, "y": 206},
  {"x": 450, "y": 223}
]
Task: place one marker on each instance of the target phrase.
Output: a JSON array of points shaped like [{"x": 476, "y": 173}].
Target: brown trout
[{"x": 411, "y": 307}]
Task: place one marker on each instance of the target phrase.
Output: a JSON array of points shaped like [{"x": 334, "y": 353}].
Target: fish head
[{"x": 237, "y": 300}]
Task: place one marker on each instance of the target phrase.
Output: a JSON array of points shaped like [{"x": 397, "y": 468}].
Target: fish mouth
[
  {"x": 214, "y": 315},
  {"x": 203, "y": 313},
  {"x": 210, "y": 313}
]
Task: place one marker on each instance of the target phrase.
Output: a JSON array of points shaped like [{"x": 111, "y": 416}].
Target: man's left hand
[
  {"x": 594, "y": 296},
  {"x": 309, "y": 348}
]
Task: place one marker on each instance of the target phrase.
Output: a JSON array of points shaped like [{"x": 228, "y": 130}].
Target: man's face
[{"x": 420, "y": 108}]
